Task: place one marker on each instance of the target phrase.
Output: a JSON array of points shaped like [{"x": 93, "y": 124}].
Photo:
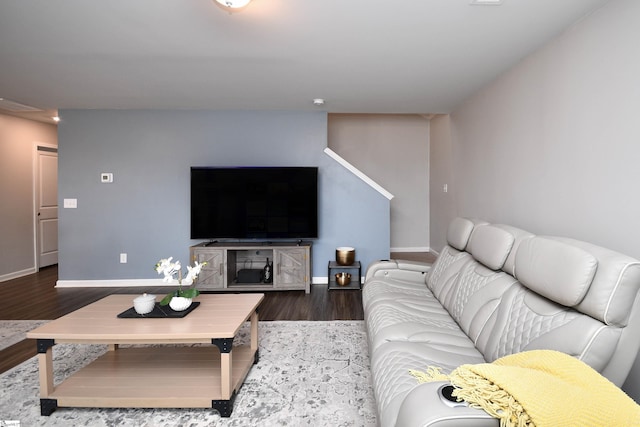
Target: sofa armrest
[
  {"x": 400, "y": 269},
  {"x": 421, "y": 267},
  {"x": 425, "y": 406},
  {"x": 377, "y": 268}
]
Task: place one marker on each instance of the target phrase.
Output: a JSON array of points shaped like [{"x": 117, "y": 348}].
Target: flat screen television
[{"x": 254, "y": 203}]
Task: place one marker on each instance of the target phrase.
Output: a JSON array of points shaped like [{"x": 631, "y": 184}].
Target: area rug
[
  {"x": 14, "y": 331},
  {"x": 309, "y": 374}
]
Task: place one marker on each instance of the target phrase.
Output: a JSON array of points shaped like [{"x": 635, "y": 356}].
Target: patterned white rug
[
  {"x": 13, "y": 331},
  {"x": 309, "y": 374}
]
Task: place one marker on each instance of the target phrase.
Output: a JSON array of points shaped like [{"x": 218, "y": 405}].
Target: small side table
[{"x": 356, "y": 273}]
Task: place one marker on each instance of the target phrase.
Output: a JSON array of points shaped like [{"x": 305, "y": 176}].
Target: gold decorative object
[
  {"x": 343, "y": 279},
  {"x": 345, "y": 255}
]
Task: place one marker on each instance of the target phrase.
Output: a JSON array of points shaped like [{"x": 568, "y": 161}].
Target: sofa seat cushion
[
  {"x": 392, "y": 289},
  {"x": 406, "y": 320},
  {"x": 392, "y": 361}
]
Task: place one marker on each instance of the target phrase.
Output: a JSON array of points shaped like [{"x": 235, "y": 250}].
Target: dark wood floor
[{"x": 35, "y": 297}]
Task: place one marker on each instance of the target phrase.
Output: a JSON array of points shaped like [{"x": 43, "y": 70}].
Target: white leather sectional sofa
[{"x": 494, "y": 290}]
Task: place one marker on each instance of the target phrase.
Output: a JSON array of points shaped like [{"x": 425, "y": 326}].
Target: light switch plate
[{"x": 70, "y": 203}]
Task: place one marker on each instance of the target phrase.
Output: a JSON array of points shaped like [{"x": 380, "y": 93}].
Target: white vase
[{"x": 179, "y": 303}]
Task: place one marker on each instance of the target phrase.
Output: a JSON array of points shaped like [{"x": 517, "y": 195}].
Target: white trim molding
[
  {"x": 137, "y": 283},
  {"x": 335, "y": 156},
  {"x": 16, "y": 274}
]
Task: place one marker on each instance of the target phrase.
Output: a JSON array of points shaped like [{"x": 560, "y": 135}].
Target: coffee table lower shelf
[{"x": 155, "y": 377}]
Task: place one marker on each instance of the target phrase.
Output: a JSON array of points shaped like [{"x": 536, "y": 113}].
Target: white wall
[
  {"x": 393, "y": 150},
  {"x": 553, "y": 145},
  {"x": 17, "y": 138},
  {"x": 442, "y": 203}
]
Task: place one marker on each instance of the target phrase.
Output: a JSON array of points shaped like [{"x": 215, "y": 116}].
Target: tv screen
[{"x": 254, "y": 203}]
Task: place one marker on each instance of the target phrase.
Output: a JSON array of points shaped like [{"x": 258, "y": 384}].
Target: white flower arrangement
[{"x": 169, "y": 269}]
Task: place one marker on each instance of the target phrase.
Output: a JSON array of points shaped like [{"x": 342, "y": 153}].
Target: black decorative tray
[{"x": 158, "y": 312}]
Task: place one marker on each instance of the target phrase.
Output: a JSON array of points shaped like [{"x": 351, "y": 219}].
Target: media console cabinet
[{"x": 240, "y": 265}]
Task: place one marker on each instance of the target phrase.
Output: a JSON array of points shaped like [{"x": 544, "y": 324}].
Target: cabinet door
[
  {"x": 212, "y": 275},
  {"x": 291, "y": 268}
]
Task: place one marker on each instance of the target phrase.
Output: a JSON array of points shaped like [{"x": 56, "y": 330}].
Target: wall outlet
[
  {"x": 445, "y": 188},
  {"x": 123, "y": 258},
  {"x": 106, "y": 177}
]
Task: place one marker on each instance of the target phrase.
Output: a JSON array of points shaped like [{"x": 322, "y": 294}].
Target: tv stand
[{"x": 290, "y": 265}]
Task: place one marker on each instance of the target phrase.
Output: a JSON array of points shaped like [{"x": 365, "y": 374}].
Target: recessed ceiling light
[
  {"x": 234, "y": 4},
  {"x": 56, "y": 119},
  {"x": 318, "y": 101},
  {"x": 486, "y": 2}
]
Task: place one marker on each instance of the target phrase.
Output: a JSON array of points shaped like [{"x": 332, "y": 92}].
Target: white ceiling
[{"x": 362, "y": 56}]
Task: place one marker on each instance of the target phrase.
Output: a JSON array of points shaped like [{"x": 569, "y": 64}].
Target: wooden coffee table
[{"x": 159, "y": 376}]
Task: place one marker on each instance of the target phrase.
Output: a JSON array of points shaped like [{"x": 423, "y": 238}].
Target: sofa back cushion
[
  {"x": 459, "y": 231},
  {"x": 474, "y": 295},
  {"x": 556, "y": 270},
  {"x": 614, "y": 287},
  {"x": 444, "y": 270},
  {"x": 572, "y": 297},
  {"x": 490, "y": 246}
]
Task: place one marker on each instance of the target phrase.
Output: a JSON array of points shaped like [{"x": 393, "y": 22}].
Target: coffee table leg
[
  {"x": 225, "y": 407},
  {"x": 226, "y": 374},
  {"x": 45, "y": 366},
  {"x": 48, "y": 406},
  {"x": 254, "y": 336},
  {"x": 226, "y": 346}
]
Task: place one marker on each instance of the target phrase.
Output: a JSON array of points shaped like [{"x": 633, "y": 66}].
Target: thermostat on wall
[{"x": 106, "y": 177}]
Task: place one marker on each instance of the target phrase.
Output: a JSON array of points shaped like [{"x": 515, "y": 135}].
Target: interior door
[{"x": 46, "y": 206}]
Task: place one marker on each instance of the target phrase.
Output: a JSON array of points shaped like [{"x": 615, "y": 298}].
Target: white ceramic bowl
[
  {"x": 144, "y": 303},
  {"x": 179, "y": 303}
]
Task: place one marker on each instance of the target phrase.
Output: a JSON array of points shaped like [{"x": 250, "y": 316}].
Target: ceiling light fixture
[
  {"x": 234, "y": 4},
  {"x": 55, "y": 119},
  {"x": 318, "y": 101},
  {"x": 486, "y": 2}
]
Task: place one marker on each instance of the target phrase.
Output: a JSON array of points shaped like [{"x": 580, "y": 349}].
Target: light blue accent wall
[{"x": 145, "y": 211}]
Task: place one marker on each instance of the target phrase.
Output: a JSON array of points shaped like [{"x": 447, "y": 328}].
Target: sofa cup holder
[{"x": 445, "y": 394}]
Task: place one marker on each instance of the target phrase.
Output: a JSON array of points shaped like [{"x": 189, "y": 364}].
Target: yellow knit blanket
[{"x": 540, "y": 388}]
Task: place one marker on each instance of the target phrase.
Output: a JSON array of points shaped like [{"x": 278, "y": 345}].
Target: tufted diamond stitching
[
  {"x": 445, "y": 259},
  {"x": 524, "y": 325},
  {"x": 470, "y": 283},
  {"x": 392, "y": 374}
]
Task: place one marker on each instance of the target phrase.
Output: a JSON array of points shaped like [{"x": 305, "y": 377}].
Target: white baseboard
[
  {"x": 412, "y": 249},
  {"x": 17, "y": 274},
  {"x": 134, "y": 283},
  {"x": 123, "y": 283}
]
